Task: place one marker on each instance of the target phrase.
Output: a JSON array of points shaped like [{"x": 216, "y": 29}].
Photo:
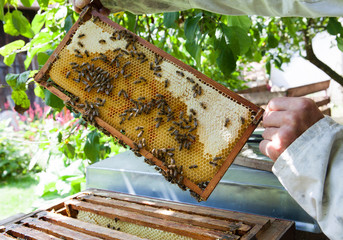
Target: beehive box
[
  {"x": 186, "y": 125},
  {"x": 98, "y": 214}
]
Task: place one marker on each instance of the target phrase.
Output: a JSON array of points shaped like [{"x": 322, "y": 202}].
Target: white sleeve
[
  {"x": 311, "y": 169},
  {"x": 281, "y": 8}
]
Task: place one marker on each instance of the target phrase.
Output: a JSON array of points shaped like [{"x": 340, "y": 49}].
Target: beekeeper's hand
[
  {"x": 285, "y": 119},
  {"x": 80, "y": 4}
]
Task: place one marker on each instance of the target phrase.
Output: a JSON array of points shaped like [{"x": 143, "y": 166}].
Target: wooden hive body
[{"x": 98, "y": 214}]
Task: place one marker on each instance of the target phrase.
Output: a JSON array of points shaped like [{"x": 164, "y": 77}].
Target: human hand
[
  {"x": 80, "y": 4},
  {"x": 285, "y": 119}
]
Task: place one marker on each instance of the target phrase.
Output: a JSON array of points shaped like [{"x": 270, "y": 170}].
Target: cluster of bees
[{"x": 113, "y": 227}]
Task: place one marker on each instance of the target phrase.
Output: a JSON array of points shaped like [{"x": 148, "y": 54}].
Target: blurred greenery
[{"x": 17, "y": 195}]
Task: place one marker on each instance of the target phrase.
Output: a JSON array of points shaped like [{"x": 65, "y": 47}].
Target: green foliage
[
  {"x": 53, "y": 101},
  {"x": 14, "y": 156}
]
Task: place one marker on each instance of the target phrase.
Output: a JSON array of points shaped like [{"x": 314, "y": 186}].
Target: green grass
[{"x": 17, "y": 195}]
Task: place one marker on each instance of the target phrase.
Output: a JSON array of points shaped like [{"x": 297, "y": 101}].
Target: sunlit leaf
[
  {"x": 242, "y": 22},
  {"x": 9, "y": 48},
  {"x": 2, "y": 4},
  {"x": 39, "y": 92},
  {"x": 21, "y": 24},
  {"x": 9, "y": 59},
  {"x": 20, "y": 98},
  {"x": 38, "y": 22},
  {"x": 239, "y": 41},
  {"x": 43, "y": 3},
  {"x": 27, "y": 3},
  {"x": 9, "y": 28}
]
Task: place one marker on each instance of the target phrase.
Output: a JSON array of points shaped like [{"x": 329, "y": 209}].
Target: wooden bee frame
[
  {"x": 200, "y": 193},
  {"x": 98, "y": 214}
]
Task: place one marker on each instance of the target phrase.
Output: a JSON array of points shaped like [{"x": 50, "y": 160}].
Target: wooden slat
[
  {"x": 5, "y": 236},
  {"x": 253, "y": 232},
  {"x": 262, "y": 88},
  {"x": 307, "y": 89},
  {"x": 56, "y": 230},
  {"x": 147, "y": 221},
  {"x": 84, "y": 227},
  {"x": 279, "y": 230},
  {"x": 254, "y": 163},
  {"x": 325, "y": 110},
  {"x": 166, "y": 213},
  {"x": 183, "y": 207},
  {"x": 322, "y": 101},
  {"x": 29, "y": 233}
]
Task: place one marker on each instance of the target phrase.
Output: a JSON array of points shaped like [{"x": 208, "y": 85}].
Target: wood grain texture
[
  {"x": 147, "y": 221},
  {"x": 245, "y": 218},
  {"x": 84, "y": 227},
  {"x": 168, "y": 214},
  {"x": 23, "y": 232}
]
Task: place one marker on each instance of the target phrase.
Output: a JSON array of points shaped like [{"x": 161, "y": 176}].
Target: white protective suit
[
  {"x": 311, "y": 168},
  {"x": 281, "y": 8}
]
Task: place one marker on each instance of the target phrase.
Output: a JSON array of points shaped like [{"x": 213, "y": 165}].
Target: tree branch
[{"x": 310, "y": 56}]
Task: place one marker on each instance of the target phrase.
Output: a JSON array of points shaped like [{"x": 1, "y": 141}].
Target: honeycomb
[
  {"x": 184, "y": 121},
  {"x": 131, "y": 228}
]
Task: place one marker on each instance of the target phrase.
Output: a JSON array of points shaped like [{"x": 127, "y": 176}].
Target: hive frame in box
[
  {"x": 203, "y": 194},
  {"x": 65, "y": 220}
]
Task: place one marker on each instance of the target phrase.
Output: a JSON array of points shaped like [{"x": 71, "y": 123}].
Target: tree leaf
[
  {"x": 334, "y": 27},
  {"x": 170, "y": 18},
  {"x": 33, "y": 52},
  {"x": 42, "y": 57},
  {"x": 272, "y": 41},
  {"x": 20, "y": 98},
  {"x": 27, "y": 3},
  {"x": 194, "y": 50},
  {"x": 226, "y": 59},
  {"x": 9, "y": 59},
  {"x": 243, "y": 22},
  {"x": 239, "y": 40},
  {"x": 339, "y": 43},
  {"x": 11, "y": 79},
  {"x": 43, "y": 3},
  {"x": 59, "y": 137},
  {"x": 68, "y": 23},
  {"x": 69, "y": 150},
  {"x": 191, "y": 27},
  {"x": 9, "y": 28},
  {"x": 39, "y": 92},
  {"x": 131, "y": 20},
  {"x": 92, "y": 146},
  {"x": 2, "y": 5},
  {"x": 53, "y": 101},
  {"x": 38, "y": 22},
  {"x": 9, "y": 48},
  {"x": 22, "y": 24}
]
